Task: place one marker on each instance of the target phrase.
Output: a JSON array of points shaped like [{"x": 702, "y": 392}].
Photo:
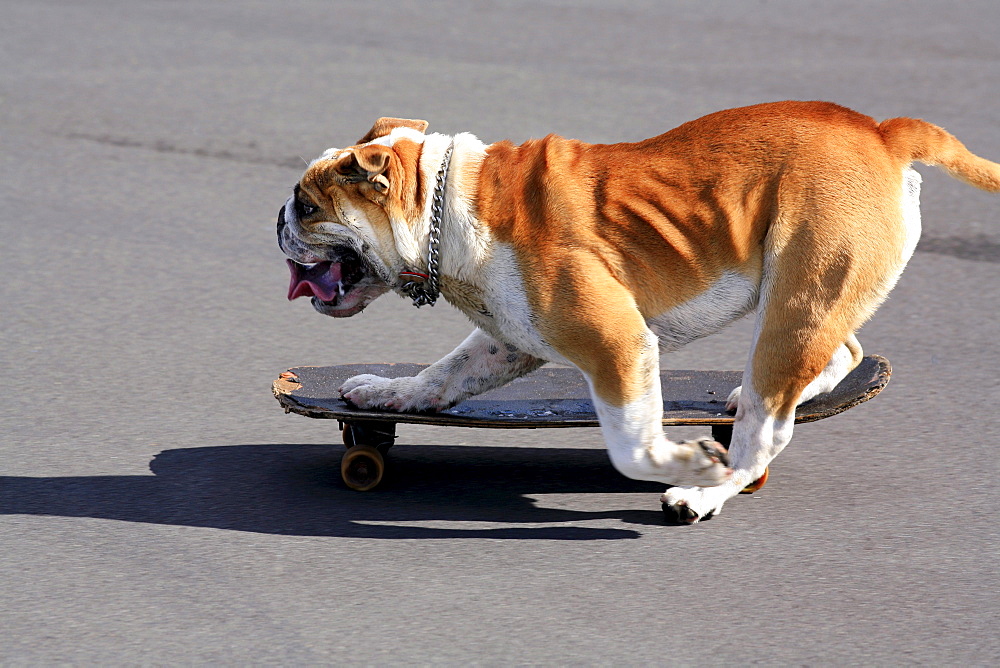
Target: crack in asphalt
[
  {"x": 978, "y": 247},
  {"x": 162, "y": 146}
]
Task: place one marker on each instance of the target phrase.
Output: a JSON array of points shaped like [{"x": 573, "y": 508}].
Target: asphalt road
[{"x": 157, "y": 507}]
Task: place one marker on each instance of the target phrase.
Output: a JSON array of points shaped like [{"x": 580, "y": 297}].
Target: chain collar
[{"x": 422, "y": 288}]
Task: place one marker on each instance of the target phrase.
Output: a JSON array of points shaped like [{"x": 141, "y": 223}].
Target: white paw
[
  {"x": 700, "y": 462},
  {"x": 408, "y": 394},
  {"x": 688, "y": 505},
  {"x": 734, "y": 399},
  {"x": 706, "y": 462}
]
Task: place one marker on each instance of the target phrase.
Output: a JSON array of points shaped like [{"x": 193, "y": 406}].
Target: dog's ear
[
  {"x": 384, "y": 126},
  {"x": 365, "y": 163}
]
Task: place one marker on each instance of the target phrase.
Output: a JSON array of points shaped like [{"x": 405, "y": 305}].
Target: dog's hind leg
[
  {"x": 803, "y": 346},
  {"x": 786, "y": 365},
  {"x": 825, "y": 273},
  {"x": 478, "y": 364},
  {"x": 843, "y": 361}
]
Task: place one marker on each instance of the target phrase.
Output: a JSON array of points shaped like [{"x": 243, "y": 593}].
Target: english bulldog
[{"x": 605, "y": 255}]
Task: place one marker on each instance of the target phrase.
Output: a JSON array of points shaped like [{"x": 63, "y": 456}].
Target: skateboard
[{"x": 551, "y": 397}]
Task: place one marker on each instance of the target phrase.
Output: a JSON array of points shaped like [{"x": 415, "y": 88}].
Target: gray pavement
[{"x": 156, "y": 506}]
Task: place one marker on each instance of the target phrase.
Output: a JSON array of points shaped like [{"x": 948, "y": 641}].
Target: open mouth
[{"x": 329, "y": 281}]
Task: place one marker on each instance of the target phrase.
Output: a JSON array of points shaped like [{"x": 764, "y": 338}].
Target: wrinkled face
[
  {"x": 329, "y": 239},
  {"x": 336, "y": 228}
]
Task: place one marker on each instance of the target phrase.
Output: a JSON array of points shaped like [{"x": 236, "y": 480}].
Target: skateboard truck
[{"x": 363, "y": 464}]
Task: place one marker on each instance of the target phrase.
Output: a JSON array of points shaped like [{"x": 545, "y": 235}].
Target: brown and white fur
[{"x": 602, "y": 256}]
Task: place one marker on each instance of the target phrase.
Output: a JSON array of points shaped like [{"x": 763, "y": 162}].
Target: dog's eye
[{"x": 307, "y": 209}]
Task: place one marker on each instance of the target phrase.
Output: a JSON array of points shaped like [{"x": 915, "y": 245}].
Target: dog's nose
[{"x": 281, "y": 222}]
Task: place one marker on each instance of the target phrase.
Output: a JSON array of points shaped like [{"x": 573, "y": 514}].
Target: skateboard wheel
[
  {"x": 362, "y": 468},
  {"x": 756, "y": 484}
]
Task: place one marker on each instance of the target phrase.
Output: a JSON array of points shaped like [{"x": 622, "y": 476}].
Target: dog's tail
[{"x": 912, "y": 139}]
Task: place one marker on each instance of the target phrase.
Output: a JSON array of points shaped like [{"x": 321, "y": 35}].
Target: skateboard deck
[
  {"x": 551, "y": 397},
  {"x": 558, "y": 397}
]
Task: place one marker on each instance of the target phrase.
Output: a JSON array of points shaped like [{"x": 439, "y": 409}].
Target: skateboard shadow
[{"x": 296, "y": 490}]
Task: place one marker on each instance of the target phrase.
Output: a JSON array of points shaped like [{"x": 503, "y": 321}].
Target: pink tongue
[{"x": 321, "y": 281}]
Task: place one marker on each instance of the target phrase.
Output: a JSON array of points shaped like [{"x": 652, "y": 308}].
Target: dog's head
[{"x": 342, "y": 226}]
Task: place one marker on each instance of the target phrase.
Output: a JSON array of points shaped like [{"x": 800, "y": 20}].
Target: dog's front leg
[
  {"x": 629, "y": 405},
  {"x": 619, "y": 357},
  {"x": 478, "y": 364}
]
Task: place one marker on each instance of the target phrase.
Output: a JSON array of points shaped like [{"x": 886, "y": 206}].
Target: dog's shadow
[{"x": 296, "y": 490}]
